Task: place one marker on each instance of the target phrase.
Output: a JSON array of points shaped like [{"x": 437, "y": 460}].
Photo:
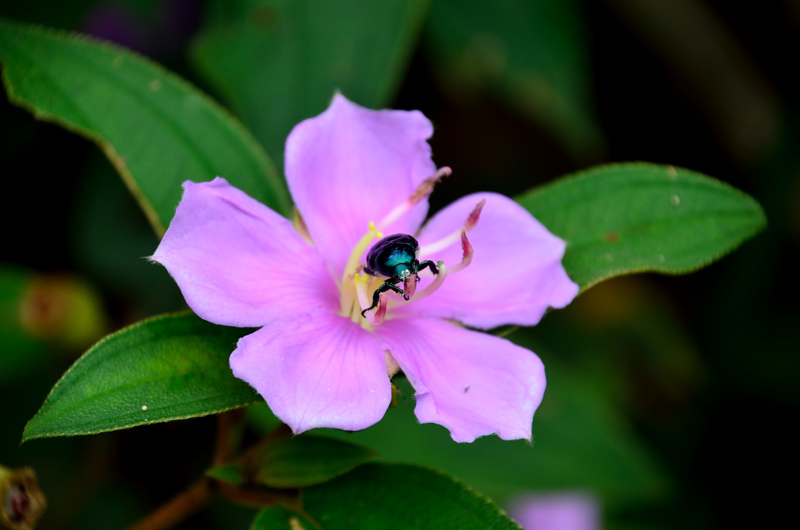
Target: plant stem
[
  {"x": 179, "y": 508},
  {"x": 200, "y": 492},
  {"x": 229, "y": 434}
]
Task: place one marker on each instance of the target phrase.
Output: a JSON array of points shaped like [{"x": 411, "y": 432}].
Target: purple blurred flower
[
  {"x": 356, "y": 174},
  {"x": 162, "y": 30},
  {"x": 119, "y": 24},
  {"x": 556, "y": 511}
]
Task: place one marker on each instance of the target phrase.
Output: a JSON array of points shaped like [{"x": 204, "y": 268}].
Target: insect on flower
[{"x": 396, "y": 256}]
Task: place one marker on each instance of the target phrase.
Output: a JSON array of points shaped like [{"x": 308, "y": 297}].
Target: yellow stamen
[
  {"x": 366, "y": 284},
  {"x": 362, "y": 283},
  {"x": 353, "y": 283},
  {"x": 355, "y": 258}
]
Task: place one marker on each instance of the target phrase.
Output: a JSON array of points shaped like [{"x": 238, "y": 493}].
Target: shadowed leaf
[{"x": 155, "y": 128}]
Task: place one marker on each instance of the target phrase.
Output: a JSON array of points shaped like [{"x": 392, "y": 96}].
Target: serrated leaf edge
[{"x": 26, "y": 437}]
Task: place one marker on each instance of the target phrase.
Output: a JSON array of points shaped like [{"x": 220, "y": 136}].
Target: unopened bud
[
  {"x": 62, "y": 310},
  {"x": 21, "y": 502}
]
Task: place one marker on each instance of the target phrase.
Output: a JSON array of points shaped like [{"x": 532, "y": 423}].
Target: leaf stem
[
  {"x": 229, "y": 429},
  {"x": 259, "y": 499},
  {"x": 229, "y": 434},
  {"x": 179, "y": 508}
]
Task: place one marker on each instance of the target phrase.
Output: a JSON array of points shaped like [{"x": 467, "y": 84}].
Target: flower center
[{"x": 358, "y": 287}]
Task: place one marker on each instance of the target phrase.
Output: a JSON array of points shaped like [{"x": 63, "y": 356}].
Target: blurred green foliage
[
  {"x": 531, "y": 56},
  {"x": 277, "y": 63},
  {"x": 113, "y": 97}
]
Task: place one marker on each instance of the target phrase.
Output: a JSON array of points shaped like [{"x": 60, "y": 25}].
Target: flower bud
[
  {"x": 21, "y": 502},
  {"x": 62, "y": 310}
]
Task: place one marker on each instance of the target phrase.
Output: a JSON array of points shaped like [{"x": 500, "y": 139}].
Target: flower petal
[
  {"x": 472, "y": 383},
  {"x": 351, "y": 165},
  {"x": 516, "y": 270},
  {"x": 318, "y": 370},
  {"x": 237, "y": 262}
]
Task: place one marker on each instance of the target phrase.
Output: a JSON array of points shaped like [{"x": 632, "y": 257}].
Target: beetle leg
[
  {"x": 395, "y": 289},
  {"x": 376, "y": 296},
  {"x": 430, "y": 264}
]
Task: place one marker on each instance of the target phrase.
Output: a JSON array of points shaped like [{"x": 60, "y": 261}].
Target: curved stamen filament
[
  {"x": 422, "y": 192},
  {"x": 451, "y": 239},
  {"x": 466, "y": 254}
]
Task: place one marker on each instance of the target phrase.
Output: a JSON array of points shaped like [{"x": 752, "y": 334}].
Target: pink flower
[
  {"x": 569, "y": 510},
  {"x": 355, "y": 175}
]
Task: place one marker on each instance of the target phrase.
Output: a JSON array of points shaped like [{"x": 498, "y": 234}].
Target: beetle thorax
[{"x": 402, "y": 271}]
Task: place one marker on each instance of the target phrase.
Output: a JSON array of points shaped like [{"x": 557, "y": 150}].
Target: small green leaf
[
  {"x": 155, "y": 128},
  {"x": 166, "y": 368},
  {"x": 400, "y": 496},
  {"x": 277, "y": 63},
  {"x": 229, "y": 473},
  {"x": 307, "y": 460},
  {"x": 279, "y": 517},
  {"x": 627, "y": 218}
]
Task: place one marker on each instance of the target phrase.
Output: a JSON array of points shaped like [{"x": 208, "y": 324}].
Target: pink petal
[
  {"x": 319, "y": 370},
  {"x": 516, "y": 270},
  {"x": 237, "y": 262},
  {"x": 472, "y": 383},
  {"x": 351, "y": 165}
]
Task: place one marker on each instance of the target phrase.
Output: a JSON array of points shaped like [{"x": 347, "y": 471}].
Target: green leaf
[
  {"x": 627, "y": 218},
  {"x": 531, "y": 55},
  {"x": 276, "y": 63},
  {"x": 229, "y": 473},
  {"x": 155, "y": 128},
  {"x": 166, "y": 368},
  {"x": 580, "y": 441},
  {"x": 307, "y": 460},
  {"x": 279, "y": 517},
  {"x": 400, "y": 496}
]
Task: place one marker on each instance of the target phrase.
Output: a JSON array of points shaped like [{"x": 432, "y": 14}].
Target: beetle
[{"x": 395, "y": 257}]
